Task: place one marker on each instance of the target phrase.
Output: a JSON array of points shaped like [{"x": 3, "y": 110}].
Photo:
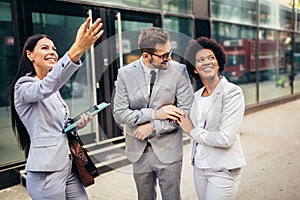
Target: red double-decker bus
[{"x": 241, "y": 59}]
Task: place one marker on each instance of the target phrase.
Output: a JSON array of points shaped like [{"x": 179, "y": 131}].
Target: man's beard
[{"x": 160, "y": 66}]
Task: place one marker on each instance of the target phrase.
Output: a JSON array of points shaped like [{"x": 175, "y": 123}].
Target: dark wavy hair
[
  {"x": 25, "y": 68},
  {"x": 203, "y": 43}
]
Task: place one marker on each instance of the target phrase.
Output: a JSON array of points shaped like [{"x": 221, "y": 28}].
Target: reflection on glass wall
[
  {"x": 130, "y": 33},
  {"x": 182, "y": 25},
  {"x": 7, "y": 50},
  {"x": 276, "y": 14},
  {"x": 273, "y": 63},
  {"x": 295, "y": 76},
  {"x": 240, "y": 11},
  {"x": 175, "y": 6},
  {"x": 297, "y": 20},
  {"x": 181, "y": 32},
  {"x": 142, "y": 3},
  {"x": 239, "y": 45},
  {"x": 9, "y": 150},
  {"x": 151, "y": 4},
  {"x": 269, "y": 58},
  {"x": 178, "y": 6},
  {"x": 223, "y": 31}
]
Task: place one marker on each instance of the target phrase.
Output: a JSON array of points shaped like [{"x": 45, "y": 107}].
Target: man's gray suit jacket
[{"x": 133, "y": 107}]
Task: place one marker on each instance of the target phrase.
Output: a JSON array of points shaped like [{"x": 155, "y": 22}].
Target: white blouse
[{"x": 204, "y": 103}]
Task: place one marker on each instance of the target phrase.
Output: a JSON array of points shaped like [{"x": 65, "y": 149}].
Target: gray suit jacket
[
  {"x": 132, "y": 107},
  {"x": 39, "y": 105},
  {"x": 220, "y": 139}
]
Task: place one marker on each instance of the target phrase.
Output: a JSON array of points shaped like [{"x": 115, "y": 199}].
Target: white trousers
[{"x": 216, "y": 185}]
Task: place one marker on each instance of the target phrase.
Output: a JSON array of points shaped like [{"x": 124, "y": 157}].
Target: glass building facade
[{"x": 261, "y": 39}]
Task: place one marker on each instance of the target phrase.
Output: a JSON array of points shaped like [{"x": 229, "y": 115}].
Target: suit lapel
[
  {"x": 140, "y": 78},
  {"x": 215, "y": 95},
  {"x": 217, "y": 92}
]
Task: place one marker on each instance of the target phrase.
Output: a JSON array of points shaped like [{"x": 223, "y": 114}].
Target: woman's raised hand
[{"x": 86, "y": 36}]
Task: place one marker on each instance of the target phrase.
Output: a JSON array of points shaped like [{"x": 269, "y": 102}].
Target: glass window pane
[
  {"x": 151, "y": 4},
  {"x": 237, "y": 42},
  {"x": 130, "y": 33},
  {"x": 178, "y": 6},
  {"x": 182, "y": 25},
  {"x": 142, "y": 3},
  {"x": 9, "y": 149},
  {"x": 180, "y": 30},
  {"x": 297, "y": 11},
  {"x": 239, "y": 11},
  {"x": 272, "y": 64},
  {"x": 296, "y": 64},
  {"x": 276, "y": 14}
]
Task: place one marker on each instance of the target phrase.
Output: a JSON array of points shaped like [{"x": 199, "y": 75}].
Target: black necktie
[{"x": 152, "y": 80}]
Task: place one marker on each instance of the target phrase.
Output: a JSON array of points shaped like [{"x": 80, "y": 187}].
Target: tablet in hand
[{"x": 93, "y": 110}]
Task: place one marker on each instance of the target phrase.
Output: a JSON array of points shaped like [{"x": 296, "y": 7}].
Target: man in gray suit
[{"x": 151, "y": 93}]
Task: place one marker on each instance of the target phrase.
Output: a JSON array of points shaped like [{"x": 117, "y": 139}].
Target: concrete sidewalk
[{"x": 271, "y": 141}]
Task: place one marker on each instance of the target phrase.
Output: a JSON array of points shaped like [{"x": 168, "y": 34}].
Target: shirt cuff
[
  {"x": 153, "y": 115},
  {"x": 193, "y": 133},
  {"x": 79, "y": 63}
]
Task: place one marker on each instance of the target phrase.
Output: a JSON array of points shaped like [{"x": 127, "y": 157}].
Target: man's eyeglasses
[{"x": 164, "y": 56}]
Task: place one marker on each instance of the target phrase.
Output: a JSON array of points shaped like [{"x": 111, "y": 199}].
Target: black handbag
[{"x": 82, "y": 163}]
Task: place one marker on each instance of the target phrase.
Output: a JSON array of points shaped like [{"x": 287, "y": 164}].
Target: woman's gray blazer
[{"x": 39, "y": 105}]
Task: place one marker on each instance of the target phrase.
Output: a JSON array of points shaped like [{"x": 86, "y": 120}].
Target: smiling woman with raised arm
[
  {"x": 39, "y": 114},
  {"x": 214, "y": 123}
]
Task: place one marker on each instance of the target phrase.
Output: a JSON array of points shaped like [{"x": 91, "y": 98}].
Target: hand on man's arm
[
  {"x": 143, "y": 131},
  {"x": 169, "y": 112}
]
